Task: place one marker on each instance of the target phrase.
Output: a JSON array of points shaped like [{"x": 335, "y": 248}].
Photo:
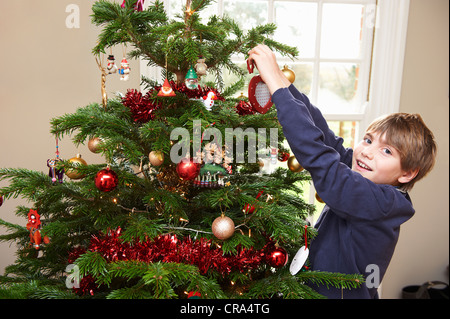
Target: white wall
[
  {"x": 47, "y": 70},
  {"x": 423, "y": 247}
]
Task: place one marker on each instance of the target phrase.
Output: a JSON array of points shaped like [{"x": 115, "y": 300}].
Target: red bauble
[
  {"x": 276, "y": 257},
  {"x": 1, "y": 200},
  {"x": 187, "y": 169},
  {"x": 248, "y": 209},
  {"x": 106, "y": 180}
]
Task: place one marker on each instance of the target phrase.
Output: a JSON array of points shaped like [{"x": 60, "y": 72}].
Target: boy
[{"x": 364, "y": 189}]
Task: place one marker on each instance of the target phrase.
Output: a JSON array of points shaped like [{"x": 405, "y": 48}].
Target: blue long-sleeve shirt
[{"x": 359, "y": 227}]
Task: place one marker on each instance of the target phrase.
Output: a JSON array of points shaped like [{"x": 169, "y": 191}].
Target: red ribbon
[{"x": 306, "y": 237}]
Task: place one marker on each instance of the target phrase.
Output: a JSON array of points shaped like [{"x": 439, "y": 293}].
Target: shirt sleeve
[{"x": 348, "y": 193}]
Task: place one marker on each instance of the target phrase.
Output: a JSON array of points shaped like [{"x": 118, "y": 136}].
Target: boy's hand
[{"x": 268, "y": 68}]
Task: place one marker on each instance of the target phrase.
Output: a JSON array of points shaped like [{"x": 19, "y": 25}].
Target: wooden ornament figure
[{"x": 104, "y": 73}]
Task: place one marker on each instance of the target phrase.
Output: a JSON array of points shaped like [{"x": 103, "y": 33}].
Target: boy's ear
[{"x": 408, "y": 176}]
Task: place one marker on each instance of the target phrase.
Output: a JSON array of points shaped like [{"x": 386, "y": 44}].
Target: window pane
[
  {"x": 303, "y": 76},
  {"x": 297, "y": 25},
  {"x": 345, "y": 129},
  {"x": 341, "y": 31},
  {"x": 338, "y": 85},
  {"x": 247, "y": 13}
]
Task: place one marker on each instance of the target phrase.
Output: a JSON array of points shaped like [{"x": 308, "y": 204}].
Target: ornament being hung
[
  {"x": 191, "y": 79},
  {"x": 166, "y": 90},
  {"x": 1, "y": 200},
  {"x": 258, "y": 92},
  {"x": 73, "y": 173},
  {"x": 106, "y": 180},
  {"x": 34, "y": 226},
  {"x": 223, "y": 227},
  {"x": 111, "y": 66},
  {"x": 124, "y": 70},
  {"x": 209, "y": 99}
]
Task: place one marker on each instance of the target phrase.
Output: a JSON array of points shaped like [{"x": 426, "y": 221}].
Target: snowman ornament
[
  {"x": 111, "y": 67},
  {"x": 124, "y": 70}
]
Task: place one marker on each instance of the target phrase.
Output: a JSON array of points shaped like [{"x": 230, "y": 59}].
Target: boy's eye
[
  {"x": 387, "y": 151},
  {"x": 368, "y": 140}
]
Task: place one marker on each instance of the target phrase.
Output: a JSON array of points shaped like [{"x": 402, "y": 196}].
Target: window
[{"x": 351, "y": 53}]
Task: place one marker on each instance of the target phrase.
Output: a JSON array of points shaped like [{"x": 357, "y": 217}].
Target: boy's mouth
[{"x": 363, "y": 165}]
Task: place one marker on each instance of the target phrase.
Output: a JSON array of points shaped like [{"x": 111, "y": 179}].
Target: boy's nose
[{"x": 367, "y": 152}]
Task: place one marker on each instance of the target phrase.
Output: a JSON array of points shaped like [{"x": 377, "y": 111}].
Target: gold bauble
[
  {"x": 289, "y": 74},
  {"x": 156, "y": 158},
  {"x": 73, "y": 173},
  {"x": 294, "y": 165},
  {"x": 223, "y": 227},
  {"x": 94, "y": 144}
]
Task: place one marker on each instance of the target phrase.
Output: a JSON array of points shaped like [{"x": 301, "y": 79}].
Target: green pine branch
[{"x": 176, "y": 45}]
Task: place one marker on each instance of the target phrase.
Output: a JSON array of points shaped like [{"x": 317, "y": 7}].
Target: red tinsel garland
[
  {"x": 244, "y": 108},
  {"x": 142, "y": 107},
  {"x": 168, "y": 248}
]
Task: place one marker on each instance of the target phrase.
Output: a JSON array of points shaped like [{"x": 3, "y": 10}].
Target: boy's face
[{"x": 379, "y": 162}]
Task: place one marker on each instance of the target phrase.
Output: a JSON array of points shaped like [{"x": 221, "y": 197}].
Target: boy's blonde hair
[{"x": 412, "y": 139}]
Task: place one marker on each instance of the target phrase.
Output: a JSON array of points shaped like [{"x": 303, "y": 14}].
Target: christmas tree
[{"x": 180, "y": 209}]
